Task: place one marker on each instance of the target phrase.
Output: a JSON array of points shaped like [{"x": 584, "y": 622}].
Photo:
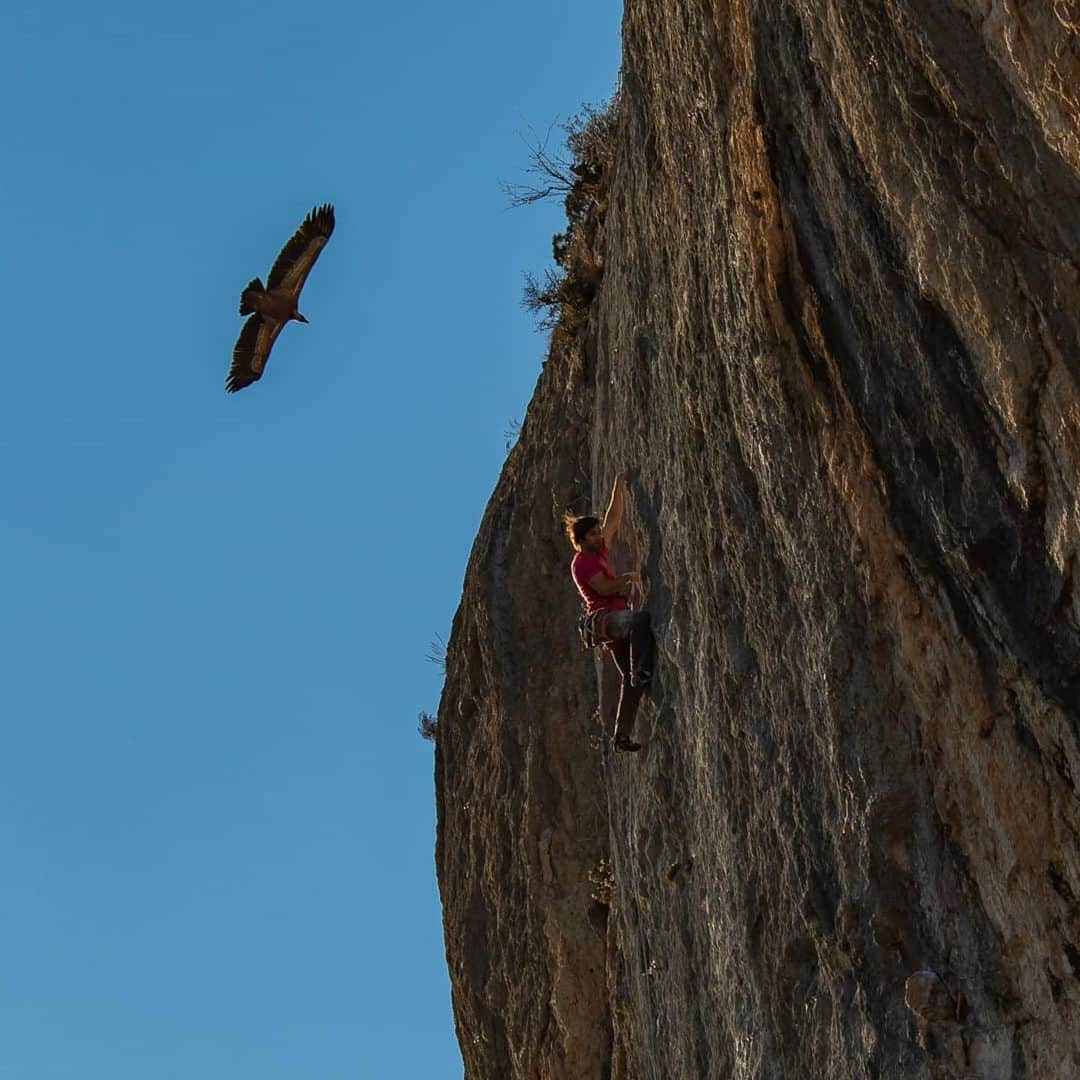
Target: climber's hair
[{"x": 576, "y": 527}]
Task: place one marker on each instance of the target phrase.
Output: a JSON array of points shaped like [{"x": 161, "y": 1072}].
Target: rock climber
[{"x": 608, "y": 619}]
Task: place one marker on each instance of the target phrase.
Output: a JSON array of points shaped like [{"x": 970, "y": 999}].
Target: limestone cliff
[{"x": 834, "y": 332}]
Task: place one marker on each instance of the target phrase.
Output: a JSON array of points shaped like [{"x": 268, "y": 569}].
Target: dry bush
[
  {"x": 561, "y": 300},
  {"x": 427, "y": 726}
]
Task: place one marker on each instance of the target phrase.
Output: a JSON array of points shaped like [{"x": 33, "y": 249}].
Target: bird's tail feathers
[{"x": 255, "y": 285}]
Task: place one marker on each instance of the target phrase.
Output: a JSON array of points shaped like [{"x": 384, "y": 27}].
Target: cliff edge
[{"x": 832, "y": 327}]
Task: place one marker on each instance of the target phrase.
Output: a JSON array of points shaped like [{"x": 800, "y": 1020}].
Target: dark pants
[{"x": 628, "y": 638}]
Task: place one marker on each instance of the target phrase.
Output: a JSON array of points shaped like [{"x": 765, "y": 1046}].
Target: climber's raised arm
[{"x": 613, "y": 514}]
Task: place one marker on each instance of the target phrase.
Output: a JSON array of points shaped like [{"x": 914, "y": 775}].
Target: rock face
[{"x": 837, "y": 344}]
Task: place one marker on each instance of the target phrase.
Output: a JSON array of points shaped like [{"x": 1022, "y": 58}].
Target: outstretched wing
[
  {"x": 297, "y": 257},
  {"x": 252, "y": 350}
]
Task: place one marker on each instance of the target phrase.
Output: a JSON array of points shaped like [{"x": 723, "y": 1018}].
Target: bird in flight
[{"x": 272, "y": 306}]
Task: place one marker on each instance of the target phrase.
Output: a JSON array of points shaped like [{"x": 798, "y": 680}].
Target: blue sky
[{"x": 216, "y": 816}]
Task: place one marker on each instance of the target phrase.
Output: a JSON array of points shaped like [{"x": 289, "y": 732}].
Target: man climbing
[{"x": 625, "y": 635}]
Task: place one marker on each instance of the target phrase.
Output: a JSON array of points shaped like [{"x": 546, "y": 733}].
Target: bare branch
[
  {"x": 555, "y": 172},
  {"x": 436, "y": 653}
]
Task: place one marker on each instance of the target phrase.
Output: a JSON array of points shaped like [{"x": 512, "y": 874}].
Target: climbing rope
[
  {"x": 644, "y": 961},
  {"x": 643, "y": 974}
]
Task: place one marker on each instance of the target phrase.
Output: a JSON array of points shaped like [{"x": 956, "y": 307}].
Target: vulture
[{"x": 271, "y": 306}]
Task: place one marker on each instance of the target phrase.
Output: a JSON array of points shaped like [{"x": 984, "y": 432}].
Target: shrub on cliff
[{"x": 561, "y": 300}]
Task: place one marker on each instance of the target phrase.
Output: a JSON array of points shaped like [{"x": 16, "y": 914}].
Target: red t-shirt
[{"x": 584, "y": 567}]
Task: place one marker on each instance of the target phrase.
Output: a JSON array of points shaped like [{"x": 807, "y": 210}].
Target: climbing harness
[{"x": 591, "y": 629}]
